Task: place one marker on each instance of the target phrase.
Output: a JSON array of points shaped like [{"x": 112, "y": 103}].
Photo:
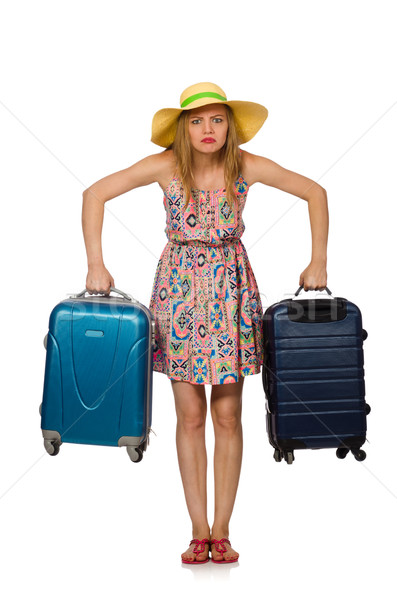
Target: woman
[{"x": 205, "y": 298}]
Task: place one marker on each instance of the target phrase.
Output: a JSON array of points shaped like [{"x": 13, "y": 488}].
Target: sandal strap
[
  {"x": 220, "y": 545},
  {"x": 199, "y": 545}
]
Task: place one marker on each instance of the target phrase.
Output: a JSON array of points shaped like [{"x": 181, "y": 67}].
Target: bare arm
[
  {"x": 148, "y": 170},
  {"x": 263, "y": 170}
]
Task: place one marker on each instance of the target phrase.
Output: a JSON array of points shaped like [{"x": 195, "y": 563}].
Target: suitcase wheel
[
  {"x": 278, "y": 455},
  {"x": 342, "y": 452},
  {"x": 359, "y": 454},
  {"x": 135, "y": 454},
  {"x": 367, "y": 409},
  {"x": 289, "y": 457},
  {"x": 52, "y": 446}
]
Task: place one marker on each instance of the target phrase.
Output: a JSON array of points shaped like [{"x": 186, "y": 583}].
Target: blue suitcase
[
  {"x": 313, "y": 376},
  {"x": 98, "y": 373}
]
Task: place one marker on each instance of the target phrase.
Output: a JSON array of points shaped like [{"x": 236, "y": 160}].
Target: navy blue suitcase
[
  {"x": 313, "y": 376},
  {"x": 98, "y": 373}
]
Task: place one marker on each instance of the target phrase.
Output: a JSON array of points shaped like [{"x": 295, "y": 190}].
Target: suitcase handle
[
  {"x": 112, "y": 289},
  {"x": 317, "y": 310},
  {"x": 301, "y": 287}
]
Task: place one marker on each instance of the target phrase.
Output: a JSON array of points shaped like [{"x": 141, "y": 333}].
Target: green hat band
[{"x": 202, "y": 95}]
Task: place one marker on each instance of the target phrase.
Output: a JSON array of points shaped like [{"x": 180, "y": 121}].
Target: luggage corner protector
[{"x": 127, "y": 440}]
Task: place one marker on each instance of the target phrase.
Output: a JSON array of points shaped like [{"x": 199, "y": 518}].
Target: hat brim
[{"x": 249, "y": 118}]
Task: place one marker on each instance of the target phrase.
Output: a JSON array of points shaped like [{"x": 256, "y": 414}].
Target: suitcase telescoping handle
[
  {"x": 112, "y": 289},
  {"x": 301, "y": 287}
]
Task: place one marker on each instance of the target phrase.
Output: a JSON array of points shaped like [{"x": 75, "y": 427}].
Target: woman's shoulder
[
  {"x": 249, "y": 166},
  {"x": 252, "y": 166},
  {"x": 165, "y": 165}
]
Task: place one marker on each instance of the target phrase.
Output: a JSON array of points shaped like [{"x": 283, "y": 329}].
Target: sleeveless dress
[{"x": 205, "y": 299}]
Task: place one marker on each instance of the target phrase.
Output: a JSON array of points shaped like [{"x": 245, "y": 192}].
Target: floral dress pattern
[{"x": 205, "y": 299}]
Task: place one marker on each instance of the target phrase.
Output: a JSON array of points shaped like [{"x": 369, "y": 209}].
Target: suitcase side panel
[{"x": 51, "y": 408}]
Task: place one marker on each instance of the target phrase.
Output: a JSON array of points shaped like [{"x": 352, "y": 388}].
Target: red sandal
[
  {"x": 198, "y": 549},
  {"x": 220, "y": 547}
]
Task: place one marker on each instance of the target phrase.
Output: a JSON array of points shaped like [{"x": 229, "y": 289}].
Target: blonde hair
[{"x": 230, "y": 154}]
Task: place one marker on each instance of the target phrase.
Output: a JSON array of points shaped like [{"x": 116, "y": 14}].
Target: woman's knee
[
  {"x": 192, "y": 422},
  {"x": 226, "y": 420},
  {"x": 191, "y": 407},
  {"x": 226, "y": 411}
]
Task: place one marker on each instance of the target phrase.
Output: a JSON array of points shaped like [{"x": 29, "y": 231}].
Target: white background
[{"x": 80, "y": 82}]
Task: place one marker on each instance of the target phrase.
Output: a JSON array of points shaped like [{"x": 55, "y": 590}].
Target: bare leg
[
  {"x": 226, "y": 417},
  {"x": 191, "y": 411}
]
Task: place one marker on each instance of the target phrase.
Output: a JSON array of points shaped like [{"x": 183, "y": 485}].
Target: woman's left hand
[{"x": 314, "y": 277}]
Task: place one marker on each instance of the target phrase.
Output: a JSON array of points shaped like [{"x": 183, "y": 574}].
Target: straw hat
[{"x": 249, "y": 116}]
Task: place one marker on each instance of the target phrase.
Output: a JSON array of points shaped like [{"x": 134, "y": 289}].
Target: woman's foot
[
  {"x": 198, "y": 551},
  {"x": 221, "y": 550}
]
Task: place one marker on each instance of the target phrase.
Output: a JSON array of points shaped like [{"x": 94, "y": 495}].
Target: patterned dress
[{"x": 205, "y": 299}]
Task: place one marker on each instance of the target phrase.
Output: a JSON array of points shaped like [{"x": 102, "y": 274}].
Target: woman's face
[{"x": 208, "y": 126}]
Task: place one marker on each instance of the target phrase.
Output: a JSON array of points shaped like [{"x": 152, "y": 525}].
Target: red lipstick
[{"x": 208, "y": 140}]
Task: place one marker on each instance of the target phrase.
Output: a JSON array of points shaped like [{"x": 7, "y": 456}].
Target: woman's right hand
[{"x": 99, "y": 280}]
